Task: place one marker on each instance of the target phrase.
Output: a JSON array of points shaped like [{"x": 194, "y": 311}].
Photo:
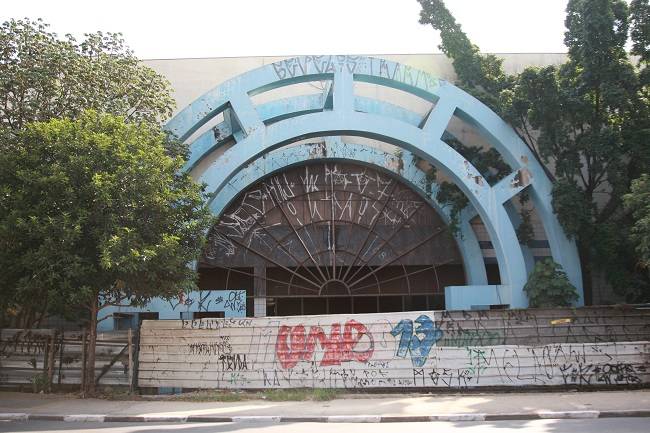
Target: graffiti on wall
[
  {"x": 331, "y": 192},
  {"x": 293, "y": 344},
  {"x": 229, "y": 301},
  {"x": 321, "y": 65},
  {"x": 430, "y": 349}
]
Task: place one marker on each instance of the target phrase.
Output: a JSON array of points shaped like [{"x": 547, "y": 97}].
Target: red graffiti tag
[{"x": 293, "y": 344}]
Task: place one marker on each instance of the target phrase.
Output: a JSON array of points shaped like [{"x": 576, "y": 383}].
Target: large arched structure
[{"x": 258, "y": 131}]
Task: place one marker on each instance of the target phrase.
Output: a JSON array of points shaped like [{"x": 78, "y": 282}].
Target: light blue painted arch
[
  {"x": 285, "y": 108},
  {"x": 482, "y": 196},
  {"x": 256, "y": 139},
  {"x": 336, "y": 150}
]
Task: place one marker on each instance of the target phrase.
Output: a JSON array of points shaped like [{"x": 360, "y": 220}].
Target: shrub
[{"x": 548, "y": 286}]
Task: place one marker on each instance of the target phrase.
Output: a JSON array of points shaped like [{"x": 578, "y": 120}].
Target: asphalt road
[{"x": 610, "y": 425}]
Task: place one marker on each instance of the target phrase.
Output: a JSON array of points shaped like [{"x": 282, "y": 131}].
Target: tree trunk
[
  {"x": 585, "y": 264},
  {"x": 92, "y": 342}
]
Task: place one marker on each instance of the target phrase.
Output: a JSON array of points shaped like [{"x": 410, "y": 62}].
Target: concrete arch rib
[
  {"x": 292, "y": 107},
  {"x": 509, "y": 256},
  {"x": 518, "y": 156},
  {"x": 378, "y": 159},
  {"x": 255, "y": 139}
]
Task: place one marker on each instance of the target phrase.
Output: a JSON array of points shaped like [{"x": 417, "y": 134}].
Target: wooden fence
[
  {"x": 46, "y": 358},
  {"x": 461, "y": 349}
]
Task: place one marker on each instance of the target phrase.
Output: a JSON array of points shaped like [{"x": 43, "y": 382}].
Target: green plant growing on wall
[
  {"x": 39, "y": 382},
  {"x": 487, "y": 161},
  {"x": 525, "y": 232},
  {"x": 399, "y": 154},
  {"x": 449, "y": 194},
  {"x": 429, "y": 179},
  {"x": 548, "y": 286}
]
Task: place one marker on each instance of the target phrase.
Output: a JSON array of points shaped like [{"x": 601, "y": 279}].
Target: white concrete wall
[{"x": 588, "y": 347}]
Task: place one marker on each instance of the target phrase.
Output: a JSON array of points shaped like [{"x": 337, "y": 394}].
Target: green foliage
[
  {"x": 206, "y": 395},
  {"x": 481, "y": 75},
  {"x": 587, "y": 121},
  {"x": 44, "y": 77},
  {"x": 301, "y": 394},
  {"x": 94, "y": 210},
  {"x": 296, "y": 394},
  {"x": 487, "y": 161},
  {"x": 548, "y": 286},
  {"x": 39, "y": 382},
  {"x": 450, "y": 195},
  {"x": 640, "y": 29},
  {"x": 525, "y": 232},
  {"x": 638, "y": 202}
]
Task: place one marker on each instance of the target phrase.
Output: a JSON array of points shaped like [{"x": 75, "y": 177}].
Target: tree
[
  {"x": 44, "y": 77},
  {"x": 94, "y": 213},
  {"x": 586, "y": 121},
  {"x": 638, "y": 202},
  {"x": 548, "y": 286}
]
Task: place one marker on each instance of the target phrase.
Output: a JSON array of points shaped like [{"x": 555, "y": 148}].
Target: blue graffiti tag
[{"x": 410, "y": 342}]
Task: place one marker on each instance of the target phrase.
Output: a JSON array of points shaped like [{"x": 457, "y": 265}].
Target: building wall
[{"x": 190, "y": 78}]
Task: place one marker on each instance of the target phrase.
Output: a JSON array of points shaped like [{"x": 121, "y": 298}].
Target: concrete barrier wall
[{"x": 590, "y": 346}]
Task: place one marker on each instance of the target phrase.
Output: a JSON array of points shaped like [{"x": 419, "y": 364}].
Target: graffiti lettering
[
  {"x": 213, "y": 348},
  {"x": 294, "y": 345},
  {"x": 234, "y": 362},
  {"x": 411, "y": 342}
]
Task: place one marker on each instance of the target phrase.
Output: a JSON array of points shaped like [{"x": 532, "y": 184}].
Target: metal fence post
[
  {"x": 60, "y": 358},
  {"x": 130, "y": 343},
  {"x": 136, "y": 353},
  {"x": 50, "y": 362},
  {"x": 83, "y": 364}
]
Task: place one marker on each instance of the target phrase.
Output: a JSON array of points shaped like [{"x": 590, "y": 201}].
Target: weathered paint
[
  {"x": 231, "y": 302},
  {"x": 256, "y": 139},
  {"x": 589, "y": 347}
]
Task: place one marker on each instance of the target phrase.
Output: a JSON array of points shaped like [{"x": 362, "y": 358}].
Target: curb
[{"x": 449, "y": 417}]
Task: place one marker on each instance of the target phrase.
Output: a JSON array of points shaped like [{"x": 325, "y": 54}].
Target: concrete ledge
[
  {"x": 273, "y": 419},
  {"x": 303, "y": 419},
  {"x": 46, "y": 417},
  {"x": 164, "y": 418},
  {"x": 624, "y": 413},
  {"x": 14, "y": 416},
  {"x": 84, "y": 418},
  {"x": 406, "y": 418},
  {"x": 121, "y": 418},
  {"x": 208, "y": 418},
  {"x": 354, "y": 418},
  {"x": 459, "y": 417},
  {"x": 511, "y": 416},
  {"x": 572, "y": 414},
  {"x": 449, "y": 417}
]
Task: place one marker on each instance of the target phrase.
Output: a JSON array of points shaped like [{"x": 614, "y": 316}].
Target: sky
[{"x": 227, "y": 28}]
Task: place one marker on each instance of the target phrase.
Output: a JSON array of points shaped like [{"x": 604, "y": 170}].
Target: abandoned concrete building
[{"x": 324, "y": 174}]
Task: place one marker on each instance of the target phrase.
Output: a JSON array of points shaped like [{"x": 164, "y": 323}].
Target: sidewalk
[{"x": 376, "y": 408}]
